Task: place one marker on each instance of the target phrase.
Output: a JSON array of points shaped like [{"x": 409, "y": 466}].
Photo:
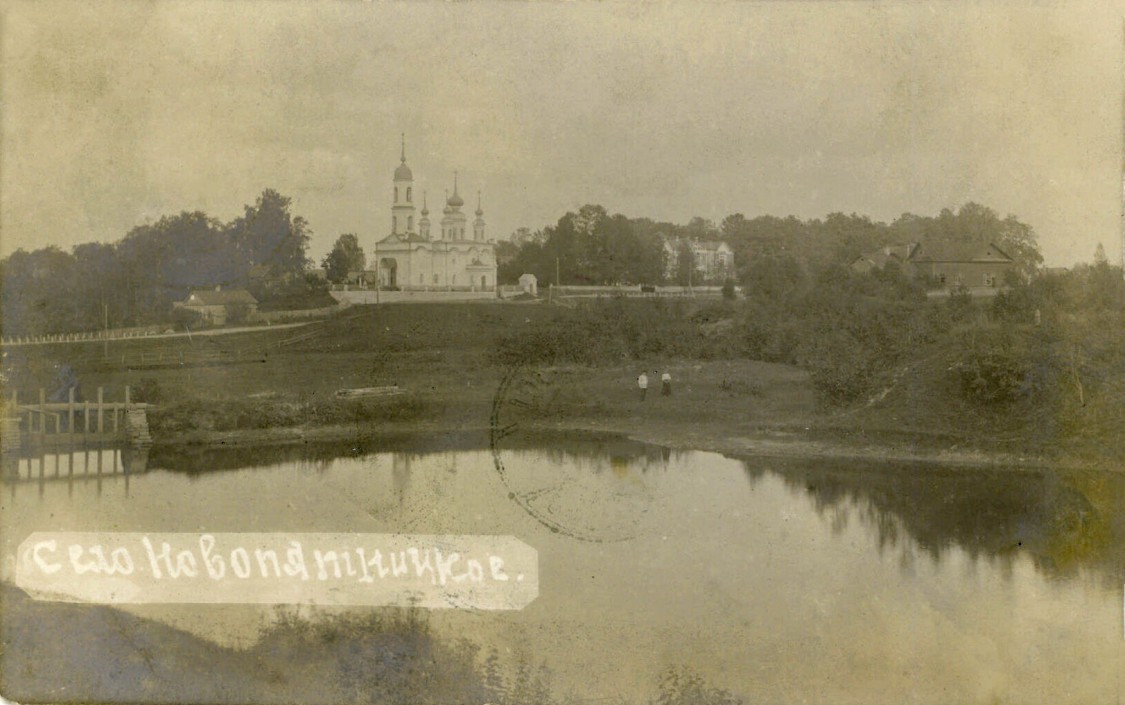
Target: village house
[
  {"x": 899, "y": 254},
  {"x": 979, "y": 268},
  {"x": 713, "y": 259},
  {"x": 970, "y": 266},
  {"x": 217, "y": 306}
]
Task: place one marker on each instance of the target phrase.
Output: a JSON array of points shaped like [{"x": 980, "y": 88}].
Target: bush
[
  {"x": 728, "y": 290},
  {"x": 147, "y": 391},
  {"x": 187, "y": 319},
  {"x": 606, "y": 331},
  {"x": 1004, "y": 365}
]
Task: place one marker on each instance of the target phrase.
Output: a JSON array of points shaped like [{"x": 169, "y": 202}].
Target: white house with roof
[{"x": 714, "y": 259}]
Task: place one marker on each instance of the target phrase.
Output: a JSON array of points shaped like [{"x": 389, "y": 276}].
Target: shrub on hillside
[
  {"x": 850, "y": 331},
  {"x": 605, "y": 331},
  {"x": 1005, "y": 365}
]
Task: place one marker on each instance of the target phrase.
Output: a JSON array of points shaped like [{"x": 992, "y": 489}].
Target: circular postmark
[{"x": 572, "y": 488}]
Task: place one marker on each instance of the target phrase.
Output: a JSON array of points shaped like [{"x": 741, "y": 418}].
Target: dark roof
[
  {"x": 963, "y": 253},
  {"x": 223, "y": 297}
]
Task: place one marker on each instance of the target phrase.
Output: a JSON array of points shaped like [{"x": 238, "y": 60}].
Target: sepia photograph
[{"x": 496, "y": 352}]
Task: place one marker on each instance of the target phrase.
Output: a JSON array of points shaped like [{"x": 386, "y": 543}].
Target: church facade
[{"x": 415, "y": 256}]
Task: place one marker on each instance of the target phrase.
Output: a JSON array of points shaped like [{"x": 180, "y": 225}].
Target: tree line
[
  {"x": 593, "y": 247},
  {"x": 135, "y": 280}
]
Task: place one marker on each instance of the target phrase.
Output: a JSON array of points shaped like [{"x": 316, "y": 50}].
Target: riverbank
[{"x": 738, "y": 408}]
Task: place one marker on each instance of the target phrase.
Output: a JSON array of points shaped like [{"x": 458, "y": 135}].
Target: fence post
[
  {"x": 86, "y": 416},
  {"x": 101, "y": 417},
  {"x": 42, "y": 411},
  {"x": 70, "y": 410}
]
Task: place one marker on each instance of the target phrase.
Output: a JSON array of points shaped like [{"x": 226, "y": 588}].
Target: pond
[{"x": 774, "y": 581}]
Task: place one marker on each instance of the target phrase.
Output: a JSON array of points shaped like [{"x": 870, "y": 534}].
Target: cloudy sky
[{"x": 115, "y": 113}]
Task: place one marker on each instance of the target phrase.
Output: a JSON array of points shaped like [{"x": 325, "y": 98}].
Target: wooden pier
[{"x": 35, "y": 422}]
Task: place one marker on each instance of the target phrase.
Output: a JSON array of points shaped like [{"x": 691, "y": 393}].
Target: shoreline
[{"x": 729, "y": 442}]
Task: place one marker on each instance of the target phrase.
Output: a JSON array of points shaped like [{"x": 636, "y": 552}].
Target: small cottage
[{"x": 217, "y": 306}]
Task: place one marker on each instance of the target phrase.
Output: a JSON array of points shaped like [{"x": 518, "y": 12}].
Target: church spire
[
  {"x": 478, "y": 224},
  {"x": 455, "y": 201},
  {"x": 404, "y": 148}
]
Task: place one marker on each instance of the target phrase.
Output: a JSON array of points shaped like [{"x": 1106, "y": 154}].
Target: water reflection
[
  {"x": 1066, "y": 521},
  {"x": 776, "y": 581},
  {"x": 93, "y": 466}
]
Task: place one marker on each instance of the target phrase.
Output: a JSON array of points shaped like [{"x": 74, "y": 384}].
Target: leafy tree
[
  {"x": 1099, "y": 256},
  {"x": 161, "y": 262},
  {"x": 1018, "y": 240},
  {"x": 772, "y": 278},
  {"x": 346, "y": 256},
  {"x": 38, "y": 292},
  {"x": 267, "y": 234},
  {"x": 685, "y": 265},
  {"x": 587, "y": 247}
]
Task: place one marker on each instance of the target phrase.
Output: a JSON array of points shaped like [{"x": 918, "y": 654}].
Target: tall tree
[
  {"x": 1099, "y": 255},
  {"x": 685, "y": 265},
  {"x": 346, "y": 256},
  {"x": 267, "y": 234}
]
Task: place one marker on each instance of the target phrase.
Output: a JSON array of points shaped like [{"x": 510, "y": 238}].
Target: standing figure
[
  {"x": 642, "y": 384},
  {"x": 666, "y": 384}
]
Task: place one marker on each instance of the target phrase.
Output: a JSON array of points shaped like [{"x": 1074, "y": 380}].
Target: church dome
[
  {"x": 403, "y": 173},
  {"x": 455, "y": 201}
]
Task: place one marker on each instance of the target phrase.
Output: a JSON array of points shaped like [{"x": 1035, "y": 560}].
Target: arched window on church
[
  {"x": 409, "y": 191},
  {"x": 396, "y": 194},
  {"x": 394, "y": 223},
  {"x": 409, "y": 218}
]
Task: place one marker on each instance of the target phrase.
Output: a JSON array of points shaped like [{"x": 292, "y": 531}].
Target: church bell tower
[{"x": 402, "y": 208}]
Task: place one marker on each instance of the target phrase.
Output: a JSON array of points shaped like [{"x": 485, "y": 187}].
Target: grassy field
[
  {"x": 438, "y": 354},
  {"x": 280, "y": 385}
]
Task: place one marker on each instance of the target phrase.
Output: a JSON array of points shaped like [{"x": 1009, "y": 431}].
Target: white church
[{"x": 411, "y": 259}]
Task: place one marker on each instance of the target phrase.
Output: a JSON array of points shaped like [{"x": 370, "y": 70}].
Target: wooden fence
[{"x": 72, "y": 421}]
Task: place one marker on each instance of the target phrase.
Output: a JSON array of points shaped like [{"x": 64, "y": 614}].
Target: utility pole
[{"x": 105, "y": 330}]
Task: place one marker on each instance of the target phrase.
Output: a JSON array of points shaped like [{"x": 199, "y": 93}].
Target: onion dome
[{"x": 455, "y": 200}]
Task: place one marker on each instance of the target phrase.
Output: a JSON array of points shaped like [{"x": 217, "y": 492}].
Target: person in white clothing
[{"x": 642, "y": 384}]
